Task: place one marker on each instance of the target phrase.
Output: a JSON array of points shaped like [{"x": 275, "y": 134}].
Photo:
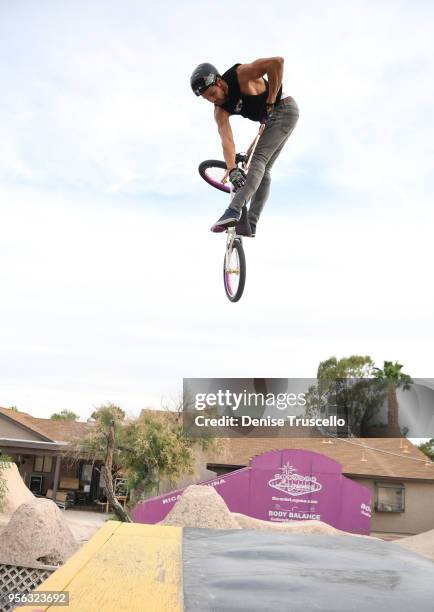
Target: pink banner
[{"x": 280, "y": 486}]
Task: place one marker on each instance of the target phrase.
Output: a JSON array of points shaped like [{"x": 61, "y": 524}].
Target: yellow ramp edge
[{"x": 125, "y": 566}]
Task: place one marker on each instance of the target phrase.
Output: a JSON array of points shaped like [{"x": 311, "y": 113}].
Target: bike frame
[
  {"x": 245, "y": 165},
  {"x": 233, "y": 240},
  {"x": 231, "y": 232}
]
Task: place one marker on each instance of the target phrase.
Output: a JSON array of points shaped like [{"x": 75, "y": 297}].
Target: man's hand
[
  {"x": 270, "y": 109},
  {"x": 237, "y": 177},
  {"x": 268, "y": 114}
]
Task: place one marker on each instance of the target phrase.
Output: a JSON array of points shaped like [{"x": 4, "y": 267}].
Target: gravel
[
  {"x": 37, "y": 533},
  {"x": 201, "y": 506}
]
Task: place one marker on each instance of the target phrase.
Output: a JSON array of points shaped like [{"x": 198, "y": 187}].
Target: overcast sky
[{"x": 111, "y": 281}]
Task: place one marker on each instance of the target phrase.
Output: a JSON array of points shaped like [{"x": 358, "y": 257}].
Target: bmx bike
[{"x": 215, "y": 173}]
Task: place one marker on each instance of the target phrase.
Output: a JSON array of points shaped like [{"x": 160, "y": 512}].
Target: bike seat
[{"x": 240, "y": 158}]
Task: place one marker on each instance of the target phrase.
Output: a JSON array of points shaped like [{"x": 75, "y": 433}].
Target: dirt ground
[
  {"x": 84, "y": 524},
  {"x": 422, "y": 543}
]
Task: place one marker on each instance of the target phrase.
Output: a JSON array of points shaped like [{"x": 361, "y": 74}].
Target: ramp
[{"x": 135, "y": 567}]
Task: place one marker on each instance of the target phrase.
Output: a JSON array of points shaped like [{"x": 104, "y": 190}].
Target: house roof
[
  {"x": 50, "y": 430},
  {"x": 26, "y": 421},
  {"x": 53, "y": 430},
  {"x": 62, "y": 430},
  {"x": 361, "y": 457}
]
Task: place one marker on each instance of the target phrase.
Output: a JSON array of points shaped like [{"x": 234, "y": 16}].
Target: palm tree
[{"x": 395, "y": 379}]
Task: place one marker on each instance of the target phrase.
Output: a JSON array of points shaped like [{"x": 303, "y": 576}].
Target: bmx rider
[{"x": 243, "y": 90}]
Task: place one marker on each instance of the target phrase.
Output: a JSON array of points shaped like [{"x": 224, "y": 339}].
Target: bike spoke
[
  {"x": 232, "y": 272},
  {"x": 217, "y": 175}
]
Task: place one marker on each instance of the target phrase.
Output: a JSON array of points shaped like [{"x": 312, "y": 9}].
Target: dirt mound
[
  {"x": 308, "y": 527},
  {"x": 422, "y": 543},
  {"x": 37, "y": 533},
  {"x": 305, "y": 527},
  {"x": 16, "y": 493},
  {"x": 201, "y": 506}
]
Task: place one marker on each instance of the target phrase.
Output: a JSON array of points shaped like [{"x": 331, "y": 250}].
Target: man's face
[{"x": 214, "y": 94}]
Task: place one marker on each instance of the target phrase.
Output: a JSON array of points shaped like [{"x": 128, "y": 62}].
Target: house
[
  {"x": 400, "y": 476},
  {"x": 38, "y": 447}
]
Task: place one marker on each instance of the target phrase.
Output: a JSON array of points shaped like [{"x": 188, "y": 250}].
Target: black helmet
[{"x": 203, "y": 77}]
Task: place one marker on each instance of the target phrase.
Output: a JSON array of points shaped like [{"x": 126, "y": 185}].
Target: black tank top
[{"x": 250, "y": 106}]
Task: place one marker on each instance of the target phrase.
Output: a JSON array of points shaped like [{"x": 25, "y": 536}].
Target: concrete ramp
[{"x": 256, "y": 571}]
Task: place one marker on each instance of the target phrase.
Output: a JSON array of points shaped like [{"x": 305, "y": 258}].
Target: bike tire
[
  {"x": 232, "y": 294},
  {"x": 210, "y": 164}
]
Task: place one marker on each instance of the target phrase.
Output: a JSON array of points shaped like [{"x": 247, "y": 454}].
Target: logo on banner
[{"x": 292, "y": 483}]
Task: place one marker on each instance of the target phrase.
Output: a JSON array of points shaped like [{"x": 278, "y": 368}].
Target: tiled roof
[
  {"x": 22, "y": 418},
  {"x": 369, "y": 457},
  {"x": 53, "y": 430},
  {"x": 62, "y": 431}
]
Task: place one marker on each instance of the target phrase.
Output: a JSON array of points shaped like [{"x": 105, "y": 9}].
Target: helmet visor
[{"x": 202, "y": 83}]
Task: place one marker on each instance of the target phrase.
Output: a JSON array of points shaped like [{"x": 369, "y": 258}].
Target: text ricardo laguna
[{"x": 248, "y": 421}]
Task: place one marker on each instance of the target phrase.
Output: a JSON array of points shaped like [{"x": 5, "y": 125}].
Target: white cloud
[
  {"x": 98, "y": 96},
  {"x": 115, "y": 302},
  {"x": 112, "y": 282}
]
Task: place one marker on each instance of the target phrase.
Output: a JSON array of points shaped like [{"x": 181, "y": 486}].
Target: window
[
  {"x": 36, "y": 483},
  {"x": 120, "y": 486},
  {"x": 86, "y": 472},
  {"x": 43, "y": 463},
  {"x": 389, "y": 497}
]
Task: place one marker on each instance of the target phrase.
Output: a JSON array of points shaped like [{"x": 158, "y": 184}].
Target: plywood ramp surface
[{"x": 124, "y": 566}]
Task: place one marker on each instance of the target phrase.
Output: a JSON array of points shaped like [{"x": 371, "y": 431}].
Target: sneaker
[
  {"x": 229, "y": 218},
  {"x": 242, "y": 228}
]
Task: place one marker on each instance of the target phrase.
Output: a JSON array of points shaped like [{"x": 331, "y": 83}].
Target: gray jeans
[{"x": 270, "y": 144}]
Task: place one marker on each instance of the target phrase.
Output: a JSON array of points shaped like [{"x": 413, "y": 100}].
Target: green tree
[
  {"x": 13, "y": 408},
  {"x": 355, "y": 366},
  {"x": 157, "y": 448},
  {"x": 394, "y": 378},
  {"x": 428, "y": 448},
  {"x": 64, "y": 415},
  {"x": 345, "y": 387},
  {"x": 104, "y": 438},
  {"x": 146, "y": 449}
]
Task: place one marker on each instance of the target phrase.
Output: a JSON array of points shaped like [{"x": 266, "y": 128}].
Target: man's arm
[
  {"x": 224, "y": 128},
  {"x": 270, "y": 66}
]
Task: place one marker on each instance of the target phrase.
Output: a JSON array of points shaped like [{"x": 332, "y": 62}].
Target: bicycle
[{"x": 215, "y": 173}]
